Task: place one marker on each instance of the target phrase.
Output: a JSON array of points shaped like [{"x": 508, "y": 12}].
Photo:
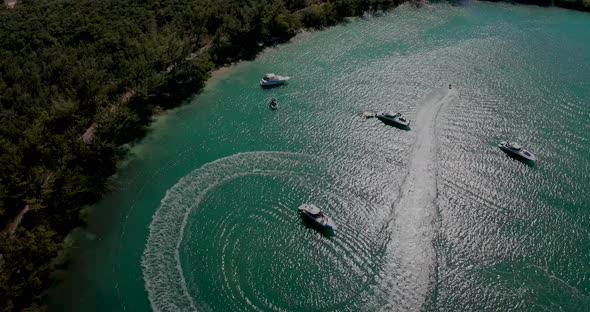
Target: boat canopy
[
  {"x": 313, "y": 209},
  {"x": 269, "y": 76},
  {"x": 515, "y": 145}
]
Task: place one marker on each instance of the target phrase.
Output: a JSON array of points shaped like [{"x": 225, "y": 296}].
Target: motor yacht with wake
[
  {"x": 514, "y": 149},
  {"x": 313, "y": 213},
  {"x": 397, "y": 118},
  {"x": 271, "y": 80}
]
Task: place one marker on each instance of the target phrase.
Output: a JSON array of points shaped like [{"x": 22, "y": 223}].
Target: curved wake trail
[
  {"x": 170, "y": 276},
  {"x": 410, "y": 255}
]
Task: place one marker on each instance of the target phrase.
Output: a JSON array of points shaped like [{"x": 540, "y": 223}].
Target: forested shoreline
[{"x": 78, "y": 79}]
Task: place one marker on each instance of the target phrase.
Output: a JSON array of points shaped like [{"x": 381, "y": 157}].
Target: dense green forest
[{"x": 80, "y": 78}]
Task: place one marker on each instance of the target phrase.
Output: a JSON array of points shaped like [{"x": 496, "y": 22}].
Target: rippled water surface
[{"x": 434, "y": 218}]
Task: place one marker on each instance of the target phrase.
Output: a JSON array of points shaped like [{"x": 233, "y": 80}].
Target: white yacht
[
  {"x": 397, "y": 118},
  {"x": 271, "y": 80},
  {"x": 515, "y": 149},
  {"x": 314, "y": 214}
]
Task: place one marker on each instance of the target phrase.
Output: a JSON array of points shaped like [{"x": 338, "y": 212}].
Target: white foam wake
[
  {"x": 410, "y": 254},
  {"x": 162, "y": 270}
]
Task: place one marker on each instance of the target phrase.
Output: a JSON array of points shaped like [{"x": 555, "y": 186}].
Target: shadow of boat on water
[
  {"x": 395, "y": 125},
  {"x": 528, "y": 162},
  {"x": 273, "y": 86},
  {"x": 314, "y": 226}
]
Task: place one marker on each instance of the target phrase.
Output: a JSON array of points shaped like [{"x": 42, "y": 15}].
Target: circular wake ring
[{"x": 167, "y": 289}]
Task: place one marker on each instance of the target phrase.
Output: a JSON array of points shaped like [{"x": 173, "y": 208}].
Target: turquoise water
[{"x": 436, "y": 218}]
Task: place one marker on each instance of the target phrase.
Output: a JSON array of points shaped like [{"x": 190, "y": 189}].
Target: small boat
[
  {"x": 274, "y": 104},
  {"x": 314, "y": 214},
  {"x": 397, "y": 118},
  {"x": 271, "y": 80},
  {"x": 514, "y": 149}
]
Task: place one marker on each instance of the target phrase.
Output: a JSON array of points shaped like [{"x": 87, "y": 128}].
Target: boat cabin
[
  {"x": 314, "y": 211},
  {"x": 515, "y": 146},
  {"x": 268, "y": 77}
]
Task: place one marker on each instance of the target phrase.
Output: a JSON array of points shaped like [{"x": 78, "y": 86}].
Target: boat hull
[
  {"x": 516, "y": 154},
  {"x": 314, "y": 223},
  {"x": 273, "y": 83},
  {"x": 393, "y": 121},
  {"x": 312, "y": 214}
]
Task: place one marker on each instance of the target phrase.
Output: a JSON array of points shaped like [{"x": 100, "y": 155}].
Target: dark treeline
[{"x": 80, "y": 78}]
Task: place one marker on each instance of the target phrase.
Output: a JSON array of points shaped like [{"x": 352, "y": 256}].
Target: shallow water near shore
[{"x": 434, "y": 219}]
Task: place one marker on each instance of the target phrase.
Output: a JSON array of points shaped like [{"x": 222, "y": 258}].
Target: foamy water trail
[
  {"x": 163, "y": 273},
  {"x": 410, "y": 255},
  {"x": 351, "y": 255}
]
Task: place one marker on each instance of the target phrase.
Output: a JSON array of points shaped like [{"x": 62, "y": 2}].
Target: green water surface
[{"x": 436, "y": 218}]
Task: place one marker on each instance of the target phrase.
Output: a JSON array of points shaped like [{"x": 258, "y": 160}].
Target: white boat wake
[
  {"x": 169, "y": 276},
  {"x": 410, "y": 255}
]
